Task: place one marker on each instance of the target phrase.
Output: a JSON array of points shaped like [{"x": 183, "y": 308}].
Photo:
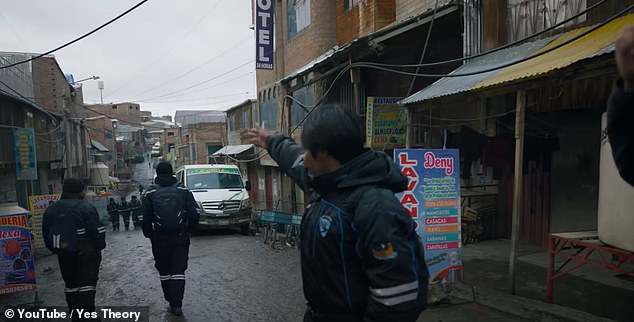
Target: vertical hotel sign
[
  {"x": 25, "y": 159},
  {"x": 264, "y": 29},
  {"x": 433, "y": 200}
]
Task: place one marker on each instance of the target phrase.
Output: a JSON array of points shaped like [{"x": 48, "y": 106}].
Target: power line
[
  {"x": 509, "y": 45},
  {"x": 312, "y": 108},
  {"x": 77, "y": 39},
  {"x": 203, "y": 82},
  {"x": 180, "y": 39},
  {"x": 160, "y": 101},
  {"x": 171, "y": 80}
]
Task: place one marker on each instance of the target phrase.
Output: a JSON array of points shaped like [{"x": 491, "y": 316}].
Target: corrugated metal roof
[
  {"x": 454, "y": 85},
  {"x": 233, "y": 149},
  {"x": 100, "y": 147},
  {"x": 596, "y": 43}
]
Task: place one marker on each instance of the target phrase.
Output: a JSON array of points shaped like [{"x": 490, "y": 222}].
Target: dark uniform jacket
[
  {"x": 91, "y": 234},
  {"x": 135, "y": 206},
  {"x": 360, "y": 254},
  {"x": 621, "y": 131},
  {"x": 189, "y": 206}
]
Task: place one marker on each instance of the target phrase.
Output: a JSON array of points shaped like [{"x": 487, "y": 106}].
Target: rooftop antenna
[{"x": 100, "y": 86}]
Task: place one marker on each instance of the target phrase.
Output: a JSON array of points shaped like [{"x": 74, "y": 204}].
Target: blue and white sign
[
  {"x": 433, "y": 200},
  {"x": 25, "y": 159},
  {"x": 264, "y": 31}
]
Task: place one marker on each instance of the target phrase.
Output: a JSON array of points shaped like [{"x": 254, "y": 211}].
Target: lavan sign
[{"x": 264, "y": 31}]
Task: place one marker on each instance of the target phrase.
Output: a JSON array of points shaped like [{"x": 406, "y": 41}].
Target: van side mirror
[{"x": 247, "y": 185}]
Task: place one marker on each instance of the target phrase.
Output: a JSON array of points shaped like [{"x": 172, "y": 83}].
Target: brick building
[
  {"x": 128, "y": 113},
  {"x": 308, "y": 57}
]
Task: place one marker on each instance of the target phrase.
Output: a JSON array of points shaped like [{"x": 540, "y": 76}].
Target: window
[
  {"x": 349, "y": 4},
  {"x": 213, "y": 180},
  {"x": 193, "y": 151},
  {"x": 268, "y": 114},
  {"x": 170, "y": 133},
  {"x": 114, "y": 107},
  {"x": 130, "y": 107},
  {"x": 298, "y": 14},
  {"x": 304, "y": 95},
  {"x": 527, "y": 17},
  {"x": 245, "y": 121},
  {"x": 232, "y": 123}
]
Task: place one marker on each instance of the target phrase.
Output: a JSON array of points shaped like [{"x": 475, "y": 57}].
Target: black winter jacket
[
  {"x": 92, "y": 236},
  {"x": 621, "y": 131},
  {"x": 189, "y": 206},
  {"x": 360, "y": 254}
]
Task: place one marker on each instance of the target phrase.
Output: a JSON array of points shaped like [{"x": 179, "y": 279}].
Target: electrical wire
[
  {"x": 171, "y": 80},
  {"x": 179, "y": 40},
  {"x": 199, "y": 83},
  {"x": 370, "y": 66},
  {"x": 77, "y": 39},
  {"x": 509, "y": 45}
]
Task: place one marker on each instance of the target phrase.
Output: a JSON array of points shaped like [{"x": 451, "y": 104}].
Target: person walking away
[
  {"x": 72, "y": 230},
  {"x": 124, "y": 211},
  {"x": 137, "y": 212},
  {"x": 113, "y": 212},
  {"x": 169, "y": 214},
  {"x": 361, "y": 258},
  {"x": 621, "y": 107}
]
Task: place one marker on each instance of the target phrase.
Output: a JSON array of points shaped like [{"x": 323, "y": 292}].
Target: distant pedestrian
[
  {"x": 113, "y": 212},
  {"x": 169, "y": 214},
  {"x": 137, "y": 212},
  {"x": 621, "y": 107},
  {"x": 360, "y": 255},
  {"x": 124, "y": 211},
  {"x": 72, "y": 230}
]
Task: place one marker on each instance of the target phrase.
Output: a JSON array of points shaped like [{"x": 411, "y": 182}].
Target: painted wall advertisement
[
  {"x": 386, "y": 123},
  {"x": 17, "y": 272},
  {"x": 433, "y": 200},
  {"x": 25, "y": 158},
  {"x": 37, "y": 207},
  {"x": 264, "y": 34}
]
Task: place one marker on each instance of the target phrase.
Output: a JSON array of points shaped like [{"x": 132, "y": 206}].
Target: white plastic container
[
  {"x": 99, "y": 174},
  {"x": 616, "y": 200}
]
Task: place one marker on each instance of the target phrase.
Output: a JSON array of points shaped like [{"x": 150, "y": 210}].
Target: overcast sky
[{"x": 152, "y": 56}]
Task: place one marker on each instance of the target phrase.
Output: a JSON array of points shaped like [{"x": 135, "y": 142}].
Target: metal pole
[
  {"x": 517, "y": 184},
  {"x": 101, "y": 94},
  {"x": 69, "y": 161}
]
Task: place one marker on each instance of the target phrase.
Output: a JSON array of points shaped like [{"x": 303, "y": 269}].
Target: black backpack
[
  {"x": 168, "y": 210},
  {"x": 64, "y": 232}
]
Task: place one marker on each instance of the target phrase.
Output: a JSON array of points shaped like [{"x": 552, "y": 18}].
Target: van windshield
[{"x": 214, "y": 179}]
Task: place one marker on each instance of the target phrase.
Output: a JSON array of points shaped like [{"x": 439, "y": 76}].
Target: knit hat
[
  {"x": 73, "y": 185},
  {"x": 164, "y": 168}
]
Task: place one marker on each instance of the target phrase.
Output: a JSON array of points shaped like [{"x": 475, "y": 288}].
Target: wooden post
[
  {"x": 355, "y": 80},
  {"x": 517, "y": 184}
]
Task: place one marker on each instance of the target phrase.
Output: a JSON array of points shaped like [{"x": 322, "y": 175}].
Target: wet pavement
[{"x": 231, "y": 277}]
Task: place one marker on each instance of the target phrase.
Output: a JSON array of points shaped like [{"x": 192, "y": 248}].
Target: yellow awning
[{"x": 597, "y": 42}]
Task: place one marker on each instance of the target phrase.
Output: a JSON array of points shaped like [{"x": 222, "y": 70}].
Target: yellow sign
[
  {"x": 386, "y": 122},
  {"x": 37, "y": 206}
]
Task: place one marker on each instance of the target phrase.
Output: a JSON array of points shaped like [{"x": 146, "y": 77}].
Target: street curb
[{"x": 522, "y": 307}]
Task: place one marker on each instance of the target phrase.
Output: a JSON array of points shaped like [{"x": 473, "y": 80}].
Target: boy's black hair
[{"x": 336, "y": 130}]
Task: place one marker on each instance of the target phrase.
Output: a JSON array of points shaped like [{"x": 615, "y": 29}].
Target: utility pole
[
  {"x": 517, "y": 184},
  {"x": 68, "y": 154}
]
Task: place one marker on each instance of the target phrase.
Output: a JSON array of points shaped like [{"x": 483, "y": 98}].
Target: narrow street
[{"x": 231, "y": 277}]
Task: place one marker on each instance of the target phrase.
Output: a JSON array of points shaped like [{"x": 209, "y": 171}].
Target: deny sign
[{"x": 264, "y": 28}]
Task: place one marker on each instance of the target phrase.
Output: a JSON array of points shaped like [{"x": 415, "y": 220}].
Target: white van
[{"x": 221, "y": 193}]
